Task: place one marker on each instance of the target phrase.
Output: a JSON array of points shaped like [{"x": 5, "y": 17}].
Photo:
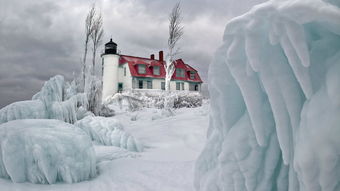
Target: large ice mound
[
  {"x": 275, "y": 101},
  {"x": 45, "y": 151},
  {"x": 110, "y": 132},
  {"x": 56, "y": 100}
]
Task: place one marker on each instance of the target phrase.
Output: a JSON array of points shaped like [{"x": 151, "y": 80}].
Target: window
[
  {"x": 182, "y": 84},
  {"x": 163, "y": 85},
  {"x": 140, "y": 84},
  {"x": 156, "y": 70},
  {"x": 124, "y": 71},
  {"x": 141, "y": 69},
  {"x": 178, "y": 86},
  {"x": 180, "y": 72},
  {"x": 192, "y": 75},
  {"x": 149, "y": 84}
]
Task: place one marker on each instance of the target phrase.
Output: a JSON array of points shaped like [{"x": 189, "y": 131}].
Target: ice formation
[
  {"x": 108, "y": 131},
  {"x": 56, "y": 100},
  {"x": 45, "y": 151},
  {"x": 275, "y": 101}
]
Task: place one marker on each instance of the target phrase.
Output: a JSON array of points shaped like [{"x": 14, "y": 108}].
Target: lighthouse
[{"x": 110, "y": 60}]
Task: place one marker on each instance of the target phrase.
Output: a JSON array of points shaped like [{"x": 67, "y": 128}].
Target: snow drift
[
  {"x": 108, "y": 131},
  {"x": 275, "y": 101},
  {"x": 56, "y": 100},
  {"x": 45, "y": 151}
]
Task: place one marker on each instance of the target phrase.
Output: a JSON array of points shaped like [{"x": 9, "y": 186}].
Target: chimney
[
  {"x": 152, "y": 56},
  {"x": 161, "y": 55}
]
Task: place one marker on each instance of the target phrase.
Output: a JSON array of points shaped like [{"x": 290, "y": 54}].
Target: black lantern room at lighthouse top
[{"x": 110, "y": 47}]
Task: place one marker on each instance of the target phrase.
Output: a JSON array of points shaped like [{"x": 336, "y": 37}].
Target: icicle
[{"x": 301, "y": 73}]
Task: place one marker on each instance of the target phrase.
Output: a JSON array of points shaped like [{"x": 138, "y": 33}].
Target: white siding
[
  {"x": 156, "y": 83},
  {"x": 172, "y": 85},
  {"x": 186, "y": 86},
  {"x": 126, "y": 80},
  {"x": 110, "y": 75}
]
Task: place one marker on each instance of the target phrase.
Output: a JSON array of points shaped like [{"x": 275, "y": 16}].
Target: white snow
[
  {"x": 109, "y": 131},
  {"x": 274, "y": 89},
  {"x": 45, "y": 151},
  {"x": 171, "y": 145}
]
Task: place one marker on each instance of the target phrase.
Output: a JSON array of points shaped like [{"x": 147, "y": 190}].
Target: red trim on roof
[{"x": 134, "y": 61}]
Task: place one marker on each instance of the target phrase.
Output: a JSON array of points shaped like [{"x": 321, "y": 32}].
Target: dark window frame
[
  {"x": 140, "y": 84},
  {"x": 192, "y": 75},
  {"x": 149, "y": 84},
  {"x": 180, "y": 72},
  {"x": 178, "y": 85},
  {"x": 139, "y": 69},
  {"x": 158, "y": 69}
]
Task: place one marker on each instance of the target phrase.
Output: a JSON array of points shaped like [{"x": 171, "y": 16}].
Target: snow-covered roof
[{"x": 134, "y": 61}]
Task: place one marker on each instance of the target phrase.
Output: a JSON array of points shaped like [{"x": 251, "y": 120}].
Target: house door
[
  {"x": 196, "y": 87},
  {"x": 120, "y": 87}
]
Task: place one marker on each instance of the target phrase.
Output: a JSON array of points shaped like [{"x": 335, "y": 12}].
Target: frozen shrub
[
  {"x": 187, "y": 100},
  {"x": 106, "y": 111},
  {"x": 155, "y": 98}
]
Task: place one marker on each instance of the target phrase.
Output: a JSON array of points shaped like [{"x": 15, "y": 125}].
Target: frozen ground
[{"x": 171, "y": 145}]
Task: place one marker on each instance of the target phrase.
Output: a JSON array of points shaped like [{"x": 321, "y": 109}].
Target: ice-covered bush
[
  {"x": 106, "y": 111},
  {"x": 56, "y": 100},
  {"x": 155, "y": 98},
  {"x": 133, "y": 102},
  {"x": 188, "y": 100},
  {"x": 45, "y": 151},
  {"x": 108, "y": 131},
  {"x": 275, "y": 90}
]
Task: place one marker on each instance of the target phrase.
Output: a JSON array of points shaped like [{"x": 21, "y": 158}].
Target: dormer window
[
  {"x": 192, "y": 75},
  {"x": 156, "y": 70},
  {"x": 180, "y": 72},
  {"x": 141, "y": 69}
]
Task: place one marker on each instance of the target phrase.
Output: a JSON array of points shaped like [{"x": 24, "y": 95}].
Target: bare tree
[
  {"x": 96, "y": 37},
  {"x": 88, "y": 31},
  {"x": 175, "y": 33},
  {"x": 94, "y": 85}
]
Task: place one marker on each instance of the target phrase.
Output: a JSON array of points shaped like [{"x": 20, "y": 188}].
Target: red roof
[{"x": 134, "y": 61}]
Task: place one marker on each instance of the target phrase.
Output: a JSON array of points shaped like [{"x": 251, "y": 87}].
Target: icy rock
[
  {"x": 108, "y": 131},
  {"x": 45, "y": 151},
  {"x": 23, "y": 110},
  {"x": 82, "y": 113},
  {"x": 54, "y": 101},
  {"x": 274, "y": 89}
]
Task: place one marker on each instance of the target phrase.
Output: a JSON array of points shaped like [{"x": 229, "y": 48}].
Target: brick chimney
[
  {"x": 161, "y": 56},
  {"x": 152, "y": 56}
]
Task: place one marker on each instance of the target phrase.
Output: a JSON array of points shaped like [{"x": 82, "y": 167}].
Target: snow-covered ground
[{"x": 171, "y": 146}]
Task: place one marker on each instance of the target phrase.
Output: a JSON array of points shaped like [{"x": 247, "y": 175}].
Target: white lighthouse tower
[{"x": 110, "y": 70}]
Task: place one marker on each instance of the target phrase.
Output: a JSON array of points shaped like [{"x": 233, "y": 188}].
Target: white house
[{"x": 123, "y": 72}]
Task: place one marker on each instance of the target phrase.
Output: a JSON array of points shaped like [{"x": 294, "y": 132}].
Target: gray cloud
[{"x": 42, "y": 38}]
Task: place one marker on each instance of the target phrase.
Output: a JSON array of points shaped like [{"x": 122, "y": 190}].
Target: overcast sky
[{"x": 42, "y": 38}]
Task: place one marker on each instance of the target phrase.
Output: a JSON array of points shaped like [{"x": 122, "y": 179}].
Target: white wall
[
  {"x": 186, "y": 86},
  {"x": 126, "y": 80},
  {"x": 110, "y": 75},
  {"x": 156, "y": 84}
]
